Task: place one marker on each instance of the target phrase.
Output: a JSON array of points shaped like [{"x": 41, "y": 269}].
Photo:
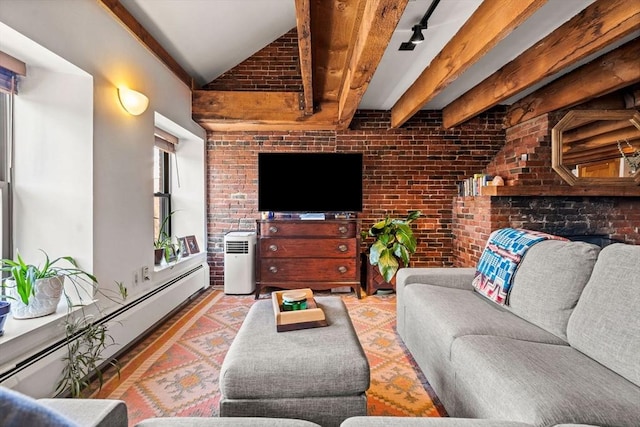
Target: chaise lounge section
[{"x": 564, "y": 350}]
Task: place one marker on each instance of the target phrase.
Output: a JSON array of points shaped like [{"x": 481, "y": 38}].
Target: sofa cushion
[
  {"x": 540, "y": 384},
  {"x": 446, "y": 314},
  {"x": 605, "y": 325},
  {"x": 388, "y": 421},
  {"x": 549, "y": 281},
  {"x": 500, "y": 259}
]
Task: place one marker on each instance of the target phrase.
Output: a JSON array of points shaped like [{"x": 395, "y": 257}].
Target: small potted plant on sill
[
  {"x": 36, "y": 290},
  {"x": 163, "y": 245},
  {"x": 394, "y": 243}
]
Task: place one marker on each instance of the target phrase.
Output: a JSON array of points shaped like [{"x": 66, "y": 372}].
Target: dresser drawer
[
  {"x": 310, "y": 247},
  {"x": 274, "y": 270},
  {"x": 307, "y": 228}
]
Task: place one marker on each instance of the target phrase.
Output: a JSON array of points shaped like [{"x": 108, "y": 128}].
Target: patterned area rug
[{"x": 174, "y": 371}]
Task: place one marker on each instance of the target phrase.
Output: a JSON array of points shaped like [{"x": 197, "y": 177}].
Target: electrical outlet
[
  {"x": 135, "y": 280},
  {"x": 145, "y": 273}
]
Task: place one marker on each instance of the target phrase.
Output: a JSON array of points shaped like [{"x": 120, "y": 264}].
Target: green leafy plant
[
  {"x": 164, "y": 241},
  {"x": 394, "y": 241},
  {"x": 25, "y": 275},
  {"x": 86, "y": 339}
]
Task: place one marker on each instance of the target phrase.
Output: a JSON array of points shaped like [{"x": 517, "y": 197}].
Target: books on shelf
[{"x": 472, "y": 185}]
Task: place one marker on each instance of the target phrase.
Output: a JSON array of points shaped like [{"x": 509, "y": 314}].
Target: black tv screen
[{"x": 310, "y": 182}]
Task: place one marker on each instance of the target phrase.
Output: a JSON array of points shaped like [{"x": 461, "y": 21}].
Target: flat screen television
[{"x": 310, "y": 182}]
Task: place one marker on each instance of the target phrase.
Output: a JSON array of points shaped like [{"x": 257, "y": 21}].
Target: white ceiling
[{"x": 209, "y": 37}]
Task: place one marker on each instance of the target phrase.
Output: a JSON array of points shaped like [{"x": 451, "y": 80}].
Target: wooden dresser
[{"x": 316, "y": 254}]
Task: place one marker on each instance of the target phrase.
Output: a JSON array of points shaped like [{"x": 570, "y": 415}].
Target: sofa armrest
[
  {"x": 459, "y": 278},
  {"x": 91, "y": 412}
]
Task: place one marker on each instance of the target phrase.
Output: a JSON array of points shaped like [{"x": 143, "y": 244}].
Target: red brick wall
[
  {"x": 274, "y": 68},
  {"x": 415, "y": 167},
  {"x": 474, "y": 218},
  {"x": 533, "y": 140}
]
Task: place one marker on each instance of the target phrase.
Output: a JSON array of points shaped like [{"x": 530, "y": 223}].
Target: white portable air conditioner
[{"x": 239, "y": 267}]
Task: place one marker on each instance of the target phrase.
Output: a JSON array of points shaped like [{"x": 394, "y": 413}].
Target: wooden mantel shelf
[{"x": 576, "y": 190}]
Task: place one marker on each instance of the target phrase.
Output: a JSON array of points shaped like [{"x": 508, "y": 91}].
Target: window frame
[
  {"x": 164, "y": 195},
  {"x": 6, "y": 153}
]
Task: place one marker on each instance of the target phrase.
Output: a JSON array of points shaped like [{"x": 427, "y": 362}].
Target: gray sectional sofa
[
  {"x": 566, "y": 349},
  {"x": 18, "y": 410}
]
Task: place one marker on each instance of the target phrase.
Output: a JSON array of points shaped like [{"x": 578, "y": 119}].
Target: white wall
[
  {"x": 105, "y": 195},
  {"x": 53, "y": 203}
]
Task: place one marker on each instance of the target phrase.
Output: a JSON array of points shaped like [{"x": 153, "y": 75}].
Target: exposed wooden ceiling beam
[
  {"x": 303, "y": 24},
  {"x": 221, "y": 110},
  {"x": 602, "y": 23},
  {"x": 370, "y": 40},
  {"x": 612, "y": 71},
  {"x": 489, "y": 24},
  {"x": 147, "y": 40},
  {"x": 332, "y": 26}
]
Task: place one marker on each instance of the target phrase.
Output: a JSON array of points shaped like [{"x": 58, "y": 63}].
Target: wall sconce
[{"x": 133, "y": 102}]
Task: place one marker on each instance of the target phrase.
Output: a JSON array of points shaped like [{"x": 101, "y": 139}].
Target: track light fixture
[{"x": 417, "y": 37}]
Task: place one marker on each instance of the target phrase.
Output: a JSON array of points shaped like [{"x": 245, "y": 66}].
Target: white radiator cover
[{"x": 39, "y": 378}]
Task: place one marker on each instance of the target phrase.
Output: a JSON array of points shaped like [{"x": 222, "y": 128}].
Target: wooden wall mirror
[{"x": 597, "y": 147}]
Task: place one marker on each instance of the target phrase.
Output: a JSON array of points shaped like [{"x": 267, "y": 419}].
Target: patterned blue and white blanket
[{"x": 499, "y": 261}]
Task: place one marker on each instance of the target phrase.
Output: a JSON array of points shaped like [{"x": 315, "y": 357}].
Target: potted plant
[
  {"x": 86, "y": 337},
  {"x": 5, "y": 309},
  {"x": 163, "y": 245},
  {"x": 394, "y": 243},
  {"x": 37, "y": 289}
]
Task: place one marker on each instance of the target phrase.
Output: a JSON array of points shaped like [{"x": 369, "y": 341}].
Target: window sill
[
  {"x": 200, "y": 256},
  {"x": 28, "y": 335}
]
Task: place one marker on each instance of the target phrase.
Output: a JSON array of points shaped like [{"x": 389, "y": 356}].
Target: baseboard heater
[{"x": 31, "y": 360}]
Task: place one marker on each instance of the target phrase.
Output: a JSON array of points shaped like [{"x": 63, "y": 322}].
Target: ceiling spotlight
[{"x": 417, "y": 36}]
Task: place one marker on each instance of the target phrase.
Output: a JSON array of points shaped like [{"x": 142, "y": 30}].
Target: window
[
  {"x": 10, "y": 68},
  {"x": 163, "y": 150}
]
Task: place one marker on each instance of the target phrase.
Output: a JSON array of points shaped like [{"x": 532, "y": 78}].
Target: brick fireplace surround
[
  {"x": 617, "y": 218},
  {"x": 415, "y": 167}
]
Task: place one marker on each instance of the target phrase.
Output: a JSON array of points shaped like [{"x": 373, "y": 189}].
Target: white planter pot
[{"x": 45, "y": 301}]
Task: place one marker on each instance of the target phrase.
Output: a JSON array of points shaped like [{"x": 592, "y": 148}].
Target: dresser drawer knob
[
  {"x": 273, "y": 229},
  {"x": 273, "y": 248},
  {"x": 273, "y": 269},
  {"x": 343, "y": 229},
  {"x": 342, "y": 269},
  {"x": 343, "y": 248}
]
